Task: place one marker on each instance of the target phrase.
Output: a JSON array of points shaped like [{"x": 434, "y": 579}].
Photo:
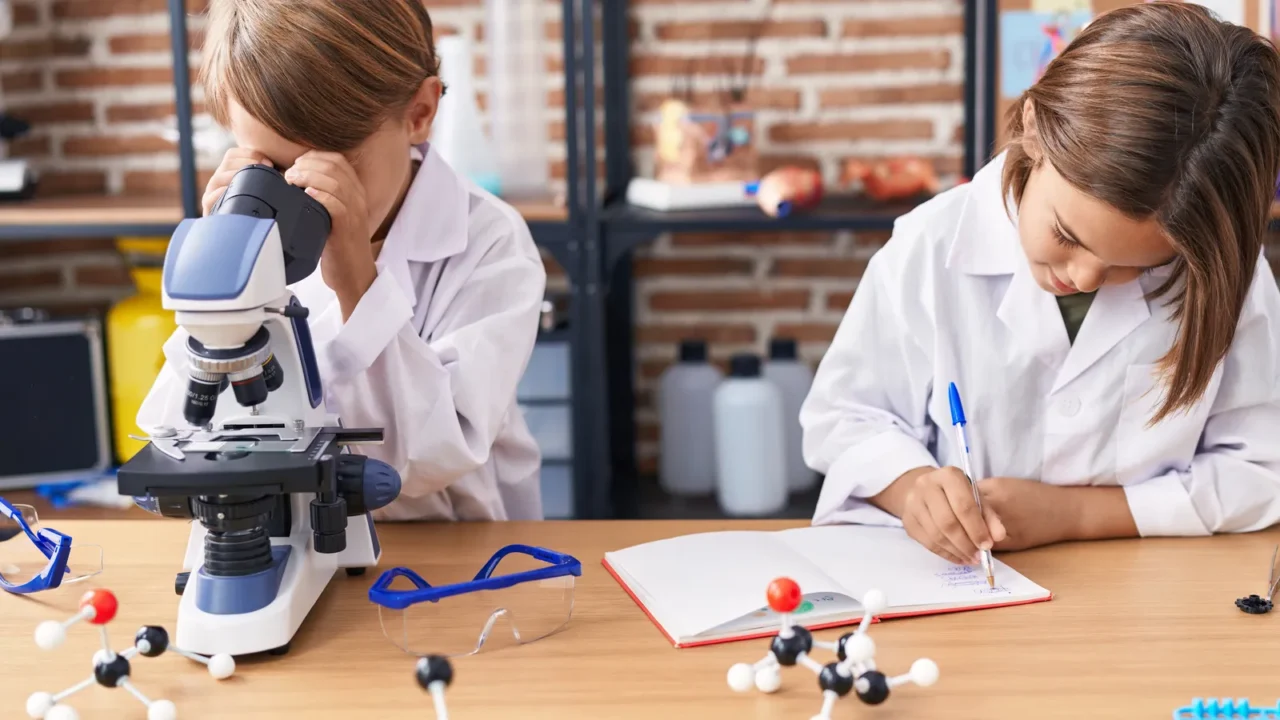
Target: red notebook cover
[{"x": 823, "y": 626}]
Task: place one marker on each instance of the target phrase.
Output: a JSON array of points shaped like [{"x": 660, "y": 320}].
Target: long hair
[{"x": 1161, "y": 110}]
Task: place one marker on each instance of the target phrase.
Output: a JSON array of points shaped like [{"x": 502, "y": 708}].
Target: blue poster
[{"x": 1029, "y": 41}]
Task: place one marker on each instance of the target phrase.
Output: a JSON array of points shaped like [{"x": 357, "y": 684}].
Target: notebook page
[
  {"x": 862, "y": 557},
  {"x": 698, "y": 582}
]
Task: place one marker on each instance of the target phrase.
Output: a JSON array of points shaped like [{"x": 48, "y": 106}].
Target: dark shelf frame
[{"x": 623, "y": 228}]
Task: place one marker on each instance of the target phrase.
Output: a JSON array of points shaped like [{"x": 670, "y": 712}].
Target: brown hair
[
  {"x": 1161, "y": 110},
  {"x": 325, "y": 74}
]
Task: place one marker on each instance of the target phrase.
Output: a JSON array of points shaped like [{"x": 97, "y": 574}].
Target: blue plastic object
[
  {"x": 241, "y": 594},
  {"x": 559, "y": 565},
  {"x": 1225, "y": 709},
  {"x": 381, "y": 484},
  {"x": 957, "y": 410},
  {"x": 211, "y": 258},
  {"x": 52, "y": 544}
]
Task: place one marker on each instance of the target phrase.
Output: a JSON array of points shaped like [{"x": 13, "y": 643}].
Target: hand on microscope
[
  {"x": 235, "y": 160},
  {"x": 347, "y": 264}
]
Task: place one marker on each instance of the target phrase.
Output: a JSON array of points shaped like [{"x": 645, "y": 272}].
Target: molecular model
[
  {"x": 111, "y": 669},
  {"x": 435, "y": 674},
  {"x": 855, "y": 669}
]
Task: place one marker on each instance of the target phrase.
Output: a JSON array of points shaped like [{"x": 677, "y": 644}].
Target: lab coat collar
[
  {"x": 433, "y": 221},
  {"x": 986, "y": 240}
]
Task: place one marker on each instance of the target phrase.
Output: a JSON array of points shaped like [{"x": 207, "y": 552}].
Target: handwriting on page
[{"x": 962, "y": 577}]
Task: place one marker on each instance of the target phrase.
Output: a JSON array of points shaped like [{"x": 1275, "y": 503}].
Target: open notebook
[{"x": 710, "y": 587}]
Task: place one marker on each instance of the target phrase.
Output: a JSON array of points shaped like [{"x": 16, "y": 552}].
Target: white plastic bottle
[
  {"x": 456, "y": 132},
  {"x": 751, "y": 477},
  {"x": 687, "y": 466},
  {"x": 793, "y": 378},
  {"x": 515, "y": 33}
]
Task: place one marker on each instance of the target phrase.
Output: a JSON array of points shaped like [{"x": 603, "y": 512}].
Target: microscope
[{"x": 277, "y": 502}]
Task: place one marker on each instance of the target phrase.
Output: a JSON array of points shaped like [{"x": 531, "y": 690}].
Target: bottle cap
[
  {"x": 782, "y": 349},
  {"x": 693, "y": 351},
  {"x": 744, "y": 366}
]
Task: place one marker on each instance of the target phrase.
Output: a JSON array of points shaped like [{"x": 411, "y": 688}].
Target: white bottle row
[{"x": 737, "y": 437}]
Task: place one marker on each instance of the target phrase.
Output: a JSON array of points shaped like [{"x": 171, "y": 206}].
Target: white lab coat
[
  {"x": 432, "y": 353},
  {"x": 950, "y": 298}
]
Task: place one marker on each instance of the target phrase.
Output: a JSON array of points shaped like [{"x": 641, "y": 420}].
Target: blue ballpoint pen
[{"x": 958, "y": 421}]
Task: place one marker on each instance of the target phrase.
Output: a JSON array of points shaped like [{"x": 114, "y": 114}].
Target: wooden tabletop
[
  {"x": 148, "y": 210},
  {"x": 1137, "y": 629}
]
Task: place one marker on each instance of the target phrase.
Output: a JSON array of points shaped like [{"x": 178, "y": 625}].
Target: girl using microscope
[
  {"x": 1098, "y": 295},
  {"x": 425, "y": 310}
]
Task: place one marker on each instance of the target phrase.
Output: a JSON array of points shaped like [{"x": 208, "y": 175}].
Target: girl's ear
[
  {"x": 1030, "y": 137},
  {"x": 422, "y": 110}
]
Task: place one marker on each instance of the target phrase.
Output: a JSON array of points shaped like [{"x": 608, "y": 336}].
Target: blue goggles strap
[
  {"x": 53, "y": 545},
  {"x": 559, "y": 565}
]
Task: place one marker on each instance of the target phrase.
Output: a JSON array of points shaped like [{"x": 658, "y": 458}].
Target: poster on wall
[
  {"x": 1061, "y": 6},
  {"x": 1029, "y": 41}
]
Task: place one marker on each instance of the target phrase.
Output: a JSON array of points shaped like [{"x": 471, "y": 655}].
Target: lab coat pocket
[{"x": 1144, "y": 450}]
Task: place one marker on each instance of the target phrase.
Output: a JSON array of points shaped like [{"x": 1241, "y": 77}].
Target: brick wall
[
  {"x": 832, "y": 80},
  {"x": 94, "y": 78}
]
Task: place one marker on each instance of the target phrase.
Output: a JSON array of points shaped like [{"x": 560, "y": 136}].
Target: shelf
[
  {"x": 834, "y": 213},
  {"x": 89, "y": 216},
  {"x": 123, "y": 215},
  {"x": 655, "y": 504}
]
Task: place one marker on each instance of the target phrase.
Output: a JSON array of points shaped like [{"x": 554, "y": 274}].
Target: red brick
[
  {"x": 102, "y": 276},
  {"x": 673, "y": 334},
  {"x": 160, "y": 182},
  {"x": 31, "y": 146},
  {"x": 29, "y": 280},
  {"x": 44, "y": 48},
  {"x": 839, "y": 300},
  {"x": 751, "y": 238},
  {"x": 903, "y": 26},
  {"x": 730, "y": 300},
  {"x": 146, "y": 112},
  {"x": 872, "y": 238},
  {"x": 49, "y": 113},
  {"x": 556, "y": 132},
  {"x": 807, "y": 332},
  {"x": 819, "y": 267},
  {"x": 738, "y": 3},
  {"x": 648, "y": 464},
  {"x": 81, "y": 9},
  {"x": 105, "y": 145},
  {"x": 869, "y": 62},
  {"x": 558, "y": 169},
  {"x": 909, "y": 95},
  {"x": 652, "y": 267},
  {"x": 75, "y": 182},
  {"x": 704, "y": 101},
  {"x": 740, "y": 29},
  {"x": 647, "y": 432},
  {"x": 114, "y": 77},
  {"x": 150, "y": 43},
  {"x": 68, "y": 246},
  {"x": 643, "y": 135},
  {"x": 22, "y": 80},
  {"x": 702, "y": 65},
  {"x": 25, "y": 14},
  {"x": 769, "y": 163},
  {"x": 852, "y": 130}
]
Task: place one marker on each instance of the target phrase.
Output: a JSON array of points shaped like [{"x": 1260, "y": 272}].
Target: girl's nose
[{"x": 1088, "y": 276}]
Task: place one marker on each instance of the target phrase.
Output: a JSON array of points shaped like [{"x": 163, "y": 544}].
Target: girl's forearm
[{"x": 1098, "y": 513}]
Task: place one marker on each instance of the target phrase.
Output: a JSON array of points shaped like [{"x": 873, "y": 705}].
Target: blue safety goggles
[
  {"x": 459, "y": 619},
  {"x": 34, "y": 558}
]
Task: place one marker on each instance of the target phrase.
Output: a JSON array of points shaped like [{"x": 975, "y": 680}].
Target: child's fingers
[
  {"x": 211, "y": 198},
  {"x": 333, "y": 164},
  {"x": 994, "y": 524},
  {"x": 949, "y": 525},
  {"x": 960, "y": 496},
  {"x": 920, "y": 525},
  {"x": 337, "y": 210},
  {"x": 311, "y": 177}
]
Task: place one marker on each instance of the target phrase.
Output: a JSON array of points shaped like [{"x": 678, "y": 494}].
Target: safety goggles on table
[
  {"x": 33, "y": 558},
  {"x": 531, "y": 599}
]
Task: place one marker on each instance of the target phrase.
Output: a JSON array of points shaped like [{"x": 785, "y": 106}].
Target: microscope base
[{"x": 303, "y": 574}]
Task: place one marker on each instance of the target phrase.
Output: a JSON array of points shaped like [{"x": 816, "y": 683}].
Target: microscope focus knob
[
  {"x": 366, "y": 484},
  {"x": 329, "y": 526}
]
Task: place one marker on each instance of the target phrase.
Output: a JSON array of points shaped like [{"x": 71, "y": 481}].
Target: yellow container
[{"x": 137, "y": 328}]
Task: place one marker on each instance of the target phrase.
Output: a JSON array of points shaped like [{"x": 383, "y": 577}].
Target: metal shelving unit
[{"x": 622, "y": 227}]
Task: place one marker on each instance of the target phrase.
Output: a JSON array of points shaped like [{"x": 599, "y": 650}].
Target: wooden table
[{"x": 1136, "y": 630}]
